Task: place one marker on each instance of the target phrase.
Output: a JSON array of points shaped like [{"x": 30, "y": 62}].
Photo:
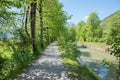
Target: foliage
[
  {"x": 94, "y": 24},
  {"x": 113, "y": 39},
  {"x": 71, "y": 34},
  {"x": 54, "y": 18},
  {"x": 106, "y": 24},
  {"x": 106, "y": 21},
  {"x": 15, "y": 30},
  {"x": 90, "y": 31},
  {"x": 20, "y": 57},
  {"x": 79, "y": 30},
  {"x": 69, "y": 53}
]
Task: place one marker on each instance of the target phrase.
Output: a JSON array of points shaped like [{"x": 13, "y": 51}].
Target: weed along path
[{"x": 48, "y": 67}]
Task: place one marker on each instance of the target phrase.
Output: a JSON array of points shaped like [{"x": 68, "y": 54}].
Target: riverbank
[
  {"x": 69, "y": 54},
  {"x": 94, "y": 45},
  {"x": 94, "y": 56}
]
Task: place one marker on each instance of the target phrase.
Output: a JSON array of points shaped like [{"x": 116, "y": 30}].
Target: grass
[{"x": 76, "y": 70}]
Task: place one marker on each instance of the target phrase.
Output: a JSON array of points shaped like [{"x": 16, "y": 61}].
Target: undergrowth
[
  {"x": 20, "y": 58},
  {"x": 69, "y": 54}
]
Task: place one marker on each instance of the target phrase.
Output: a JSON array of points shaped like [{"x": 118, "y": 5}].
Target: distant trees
[
  {"x": 79, "y": 30},
  {"x": 94, "y": 23},
  {"x": 90, "y": 31}
]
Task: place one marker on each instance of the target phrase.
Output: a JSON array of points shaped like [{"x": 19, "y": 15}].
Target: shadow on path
[{"x": 48, "y": 67}]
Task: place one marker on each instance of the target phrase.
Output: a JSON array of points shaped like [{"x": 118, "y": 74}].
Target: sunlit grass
[
  {"x": 71, "y": 62},
  {"x": 76, "y": 70}
]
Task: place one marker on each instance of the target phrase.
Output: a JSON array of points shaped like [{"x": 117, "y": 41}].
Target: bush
[
  {"x": 21, "y": 57},
  {"x": 69, "y": 53}
]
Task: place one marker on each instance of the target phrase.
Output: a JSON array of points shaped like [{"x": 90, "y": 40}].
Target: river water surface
[{"x": 95, "y": 59}]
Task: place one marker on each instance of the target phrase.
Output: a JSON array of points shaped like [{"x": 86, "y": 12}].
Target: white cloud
[{"x": 86, "y": 17}]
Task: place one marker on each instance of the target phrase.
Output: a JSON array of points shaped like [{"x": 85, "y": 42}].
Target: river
[{"x": 95, "y": 59}]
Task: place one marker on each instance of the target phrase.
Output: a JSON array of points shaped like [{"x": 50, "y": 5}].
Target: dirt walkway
[{"x": 48, "y": 67}]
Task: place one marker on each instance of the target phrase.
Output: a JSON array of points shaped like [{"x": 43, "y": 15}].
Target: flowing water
[{"x": 95, "y": 59}]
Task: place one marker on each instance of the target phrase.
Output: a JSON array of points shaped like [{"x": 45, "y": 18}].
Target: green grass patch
[{"x": 76, "y": 71}]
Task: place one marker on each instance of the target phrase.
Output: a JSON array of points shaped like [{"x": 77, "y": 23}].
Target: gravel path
[{"x": 48, "y": 67}]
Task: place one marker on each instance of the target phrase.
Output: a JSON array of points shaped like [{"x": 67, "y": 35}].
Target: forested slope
[{"x": 106, "y": 21}]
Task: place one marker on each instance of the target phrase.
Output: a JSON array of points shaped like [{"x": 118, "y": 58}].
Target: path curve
[{"x": 48, "y": 67}]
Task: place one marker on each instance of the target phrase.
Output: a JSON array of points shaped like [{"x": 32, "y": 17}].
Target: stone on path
[{"x": 48, "y": 67}]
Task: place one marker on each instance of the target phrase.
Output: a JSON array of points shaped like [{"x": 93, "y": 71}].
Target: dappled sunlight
[
  {"x": 47, "y": 67},
  {"x": 59, "y": 40}
]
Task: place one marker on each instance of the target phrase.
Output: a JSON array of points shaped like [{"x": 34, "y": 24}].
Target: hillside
[{"x": 105, "y": 21}]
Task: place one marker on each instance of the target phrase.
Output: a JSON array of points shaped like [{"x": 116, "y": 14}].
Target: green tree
[
  {"x": 80, "y": 25},
  {"x": 94, "y": 24},
  {"x": 71, "y": 34},
  {"x": 114, "y": 37},
  {"x": 53, "y": 19}
]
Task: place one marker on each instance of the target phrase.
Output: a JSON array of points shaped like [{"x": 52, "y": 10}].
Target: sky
[{"x": 81, "y": 9}]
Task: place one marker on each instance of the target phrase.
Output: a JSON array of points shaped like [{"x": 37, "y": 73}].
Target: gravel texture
[{"x": 48, "y": 67}]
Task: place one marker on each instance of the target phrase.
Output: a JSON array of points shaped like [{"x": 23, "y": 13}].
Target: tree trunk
[
  {"x": 26, "y": 20},
  {"x": 119, "y": 63},
  {"x": 41, "y": 24},
  {"x": 47, "y": 35},
  {"x": 33, "y": 25}
]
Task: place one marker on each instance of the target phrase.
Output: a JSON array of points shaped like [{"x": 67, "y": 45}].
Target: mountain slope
[{"x": 105, "y": 22}]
